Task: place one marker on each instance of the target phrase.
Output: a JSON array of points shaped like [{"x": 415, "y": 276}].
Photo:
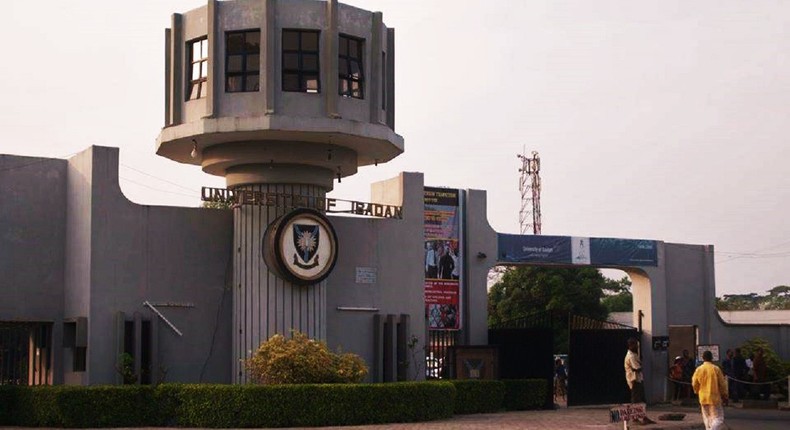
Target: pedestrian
[
  {"x": 633, "y": 376},
  {"x": 740, "y": 370},
  {"x": 728, "y": 367},
  {"x": 676, "y": 376},
  {"x": 760, "y": 375},
  {"x": 688, "y": 370},
  {"x": 710, "y": 385}
]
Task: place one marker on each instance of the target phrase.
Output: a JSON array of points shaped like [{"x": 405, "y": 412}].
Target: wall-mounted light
[
  {"x": 194, "y": 152},
  {"x": 481, "y": 255}
]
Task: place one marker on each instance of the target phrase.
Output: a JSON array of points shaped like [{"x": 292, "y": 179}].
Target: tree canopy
[{"x": 777, "y": 298}]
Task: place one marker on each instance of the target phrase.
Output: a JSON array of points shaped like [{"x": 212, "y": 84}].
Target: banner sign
[
  {"x": 443, "y": 258},
  {"x": 514, "y": 248}
]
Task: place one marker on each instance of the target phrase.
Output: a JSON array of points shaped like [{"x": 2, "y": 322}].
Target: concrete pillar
[{"x": 263, "y": 303}]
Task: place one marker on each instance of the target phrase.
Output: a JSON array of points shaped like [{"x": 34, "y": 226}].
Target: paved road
[{"x": 742, "y": 419}]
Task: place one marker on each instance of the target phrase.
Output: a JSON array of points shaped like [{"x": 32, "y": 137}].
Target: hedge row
[
  {"x": 485, "y": 396},
  {"x": 224, "y": 406}
]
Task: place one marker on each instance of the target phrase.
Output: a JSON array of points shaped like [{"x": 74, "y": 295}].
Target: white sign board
[
  {"x": 714, "y": 349},
  {"x": 627, "y": 412},
  {"x": 366, "y": 275}
]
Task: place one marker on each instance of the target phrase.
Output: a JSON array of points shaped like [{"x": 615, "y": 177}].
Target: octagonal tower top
[{"x": 279, "y": 91}]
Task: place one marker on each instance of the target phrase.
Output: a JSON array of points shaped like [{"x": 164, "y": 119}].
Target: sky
[{"x": 663, "y": 120}]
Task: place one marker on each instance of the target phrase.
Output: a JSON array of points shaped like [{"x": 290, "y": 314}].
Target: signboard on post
[
  {"x": 714, "y": 349},
  {"x": 628, "y": 412}
]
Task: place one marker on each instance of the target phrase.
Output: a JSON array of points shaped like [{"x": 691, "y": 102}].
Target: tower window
[
  {"x": 198, "y": 68},
  {"x": 242, "y": 61},
  {"x": 351, "y": 76},
  {"x": 300, "y": 61}
]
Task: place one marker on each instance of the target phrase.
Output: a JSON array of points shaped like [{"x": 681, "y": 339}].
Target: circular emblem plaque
[{"x": 300, "y": 247}]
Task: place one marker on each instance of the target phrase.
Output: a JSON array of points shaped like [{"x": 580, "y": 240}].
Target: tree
[
  {"x": 526, "y": 290},
  {"x": 778, "y": 298},
  {"x": 737, "y": 302},
  {"x": 617, "y": 295}
]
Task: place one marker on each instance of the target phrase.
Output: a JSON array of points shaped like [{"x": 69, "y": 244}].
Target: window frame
[
  {"x": 359, "y": 59},
  {"x": 245, "y": 72},
  {"x": 300, "y": 72},
  {"x": 201, "y": 81}
]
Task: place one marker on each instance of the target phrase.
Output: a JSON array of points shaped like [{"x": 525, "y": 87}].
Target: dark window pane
[
  {"x": 353, "y": 48},
  {"x": 290, "y": 40},
  {"x": 235, "y": 43},
  {"x": 234, "y": 84},
  {"x": 252, "y": 42},
  {"x": 310, "y": 63},
  {"x": 291, "y": 82},
  {"x": 311, "y": 83},
  {"x": 342, "y": 67},
  {"x": 356, "y": 73},
  {"x": 252, "y": 83},
  {"x": 253, "y": 63},
  {"x": 310, "y": 41},
  {"x": 291, "y": 61},
  {"x": 235, "y": 63},
  {"x": 343, "y": 47}
]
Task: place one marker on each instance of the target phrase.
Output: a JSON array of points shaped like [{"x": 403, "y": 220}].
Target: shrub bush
[
  {"x": 70, "y": 406},
  {"x": 524, "y": 394},
  {"x": 478, "y": 396},
  {"x": 224, "y": 406},
  {"x": 301, "y": 360}
]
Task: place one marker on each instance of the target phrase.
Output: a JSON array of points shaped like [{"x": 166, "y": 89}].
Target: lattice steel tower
[{"x": 529, "y": 185}]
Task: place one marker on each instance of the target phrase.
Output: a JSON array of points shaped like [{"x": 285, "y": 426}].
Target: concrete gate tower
[{"x": 281, "y": 97}]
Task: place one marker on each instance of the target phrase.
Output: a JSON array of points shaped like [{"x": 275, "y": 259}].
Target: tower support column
[{"x": 263, "y": 303}]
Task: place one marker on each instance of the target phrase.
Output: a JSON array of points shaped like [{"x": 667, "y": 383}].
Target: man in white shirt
[{"x": 633, "y": 375}]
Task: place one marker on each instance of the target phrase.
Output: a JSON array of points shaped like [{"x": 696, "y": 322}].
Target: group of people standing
[
  {"x": 741, "y": 371},
  {"x": 707, "y": 381}
]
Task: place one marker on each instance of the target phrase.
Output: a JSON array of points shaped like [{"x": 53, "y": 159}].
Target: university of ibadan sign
[{"x": 285, "y": 200}]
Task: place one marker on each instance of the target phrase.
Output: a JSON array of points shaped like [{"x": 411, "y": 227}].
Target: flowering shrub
[{"x": 301, "y": 360}]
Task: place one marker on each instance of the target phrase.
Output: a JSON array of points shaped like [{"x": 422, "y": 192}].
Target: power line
[
  {"x": 157, "y": 178},
  {"x": 156, "y": 189}
]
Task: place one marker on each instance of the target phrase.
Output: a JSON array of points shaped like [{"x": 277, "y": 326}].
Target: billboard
[
  {"x": 442, "y": 258},
  {"x": 514, "y": 248}
]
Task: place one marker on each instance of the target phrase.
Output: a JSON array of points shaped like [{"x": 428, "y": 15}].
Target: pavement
[{"x": 573, "y": 418}]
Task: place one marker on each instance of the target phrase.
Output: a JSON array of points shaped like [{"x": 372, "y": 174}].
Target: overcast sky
[{"x": 661, "y": 120}]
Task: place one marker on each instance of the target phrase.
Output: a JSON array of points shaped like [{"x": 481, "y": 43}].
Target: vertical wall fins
[
  {"x": 391, "y": 78},
  {"x": 120, "y": 322},
  {"x": 374, "y": 74},
  {"x": 268, "y": 56},
  {"x": 138, "y": 345},
  {"x": 176, "y": 69},
  {"x": 401, "y": 347},
  {"x": 329, "y": 61},
  {"x": 212, "y": 81},
  {"x": 168, "y": 72}
]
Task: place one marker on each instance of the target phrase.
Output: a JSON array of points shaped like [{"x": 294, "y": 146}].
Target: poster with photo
[{"x": 442, "y": 258}]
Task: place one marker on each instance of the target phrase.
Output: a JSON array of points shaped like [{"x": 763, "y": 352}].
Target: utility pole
[{"x": 529, "y": 186}]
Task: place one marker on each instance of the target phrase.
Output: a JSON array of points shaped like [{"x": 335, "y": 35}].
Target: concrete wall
[
  {"x": 382, "y": 245},
  {"x": 157, "y": 254}
]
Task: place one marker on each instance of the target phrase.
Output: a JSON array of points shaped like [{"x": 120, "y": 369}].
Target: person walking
[
  {"x": 633, "y": 375},
  {"x": 710, "y": 385}
]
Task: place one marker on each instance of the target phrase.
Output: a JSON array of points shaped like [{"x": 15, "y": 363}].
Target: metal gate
[
  {"x": 526, "y": 348},
  {"x": 25, "y": 353},
  {"x": 596, "y": 353}
]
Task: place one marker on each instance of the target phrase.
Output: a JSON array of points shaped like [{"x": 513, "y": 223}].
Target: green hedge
[
  {"x": 478, "y": 396},
  {"x": 475, "y": 396},
  {"x": 224, "y": 406},
  {"x": 524, "y": 394},
  {"x": 70, "y": 406}
]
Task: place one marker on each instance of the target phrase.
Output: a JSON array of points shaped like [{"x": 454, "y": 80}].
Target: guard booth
[{"x": 25, "y": 353}]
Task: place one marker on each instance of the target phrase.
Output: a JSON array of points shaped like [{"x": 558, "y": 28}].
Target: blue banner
[{"x": 514, "y": 248}]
